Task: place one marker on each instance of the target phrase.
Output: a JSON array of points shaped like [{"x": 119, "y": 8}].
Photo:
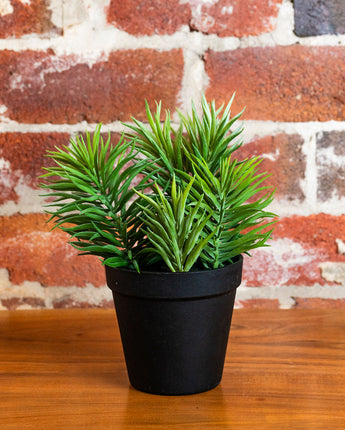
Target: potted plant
[{"x": 170, "y": 211}]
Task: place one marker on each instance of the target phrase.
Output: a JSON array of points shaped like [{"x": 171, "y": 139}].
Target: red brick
[
  {"x": 148, "y": 17},
  {"x": 31, "y": 252},
  {"x": 70, "y": 303},
  {"x": 258, "y": 304},
  {"x": 300, "y": 244},
  {"x": 234, "y": 17},
  {"x": 14, "y": 302},
  {"x": 315, "y": 231},
  {"x": 224, "y": 18},
  {"x": 282, "y": 83},
  {"x": 26, "y": 18},
  {"x": 25, "y": 153},
  {"x": 40, "y": 87},
  {"x": 283, "y": 159},
  {"x": 317, "y": 303}
]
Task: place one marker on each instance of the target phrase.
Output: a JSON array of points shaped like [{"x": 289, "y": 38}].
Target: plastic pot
[{"x": 174, "y": 326}]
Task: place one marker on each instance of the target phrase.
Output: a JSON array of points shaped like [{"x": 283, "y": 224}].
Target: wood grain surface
[{"x": 64, "y": 369}]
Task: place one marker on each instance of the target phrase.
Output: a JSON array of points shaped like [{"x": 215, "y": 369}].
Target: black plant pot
[{"x": 175, "y": 326}]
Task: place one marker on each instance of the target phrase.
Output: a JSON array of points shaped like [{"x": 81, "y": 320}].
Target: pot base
[
  {"x": 179, "y": 393},
  {"x": 174, "y": 347}
]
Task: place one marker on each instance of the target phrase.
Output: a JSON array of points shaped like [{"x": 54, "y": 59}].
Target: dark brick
[
  {"x": 330, "y": 155},
  {"x": 282, "y": 83},
  {"x": 316, "y": 17}
]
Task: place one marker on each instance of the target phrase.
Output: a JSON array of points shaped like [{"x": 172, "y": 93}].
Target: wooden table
[{"x": 64, "y": 369}]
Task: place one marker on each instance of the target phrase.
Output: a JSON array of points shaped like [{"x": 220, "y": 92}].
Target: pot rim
[
  {"x": 175, "y": 285},
  {"x": 169, "y": 273}
]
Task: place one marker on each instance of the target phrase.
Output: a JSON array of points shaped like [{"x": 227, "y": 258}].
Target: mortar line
[{"x": 253, "y": 128}]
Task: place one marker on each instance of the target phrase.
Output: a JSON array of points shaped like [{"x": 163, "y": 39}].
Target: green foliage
[
  {"x": 195, "y": 205},
  {"x": 91, "y": 186},
  {"x": 174, "y": 225}
]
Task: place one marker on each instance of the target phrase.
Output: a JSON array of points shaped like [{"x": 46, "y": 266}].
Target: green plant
[{"x": 195, "y": 206}]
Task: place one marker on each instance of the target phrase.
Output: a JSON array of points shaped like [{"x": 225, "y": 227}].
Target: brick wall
[{"x": 65, "y": 66}]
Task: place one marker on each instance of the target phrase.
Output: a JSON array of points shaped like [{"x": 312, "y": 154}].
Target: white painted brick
[
  {"x": 5, "y": 7},
  {"x": 341, "y": 246},
  {"x": 333, "y": 271}
]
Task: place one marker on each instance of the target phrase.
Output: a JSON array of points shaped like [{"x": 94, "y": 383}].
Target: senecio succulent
[{"x": 193, "y": 206}]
